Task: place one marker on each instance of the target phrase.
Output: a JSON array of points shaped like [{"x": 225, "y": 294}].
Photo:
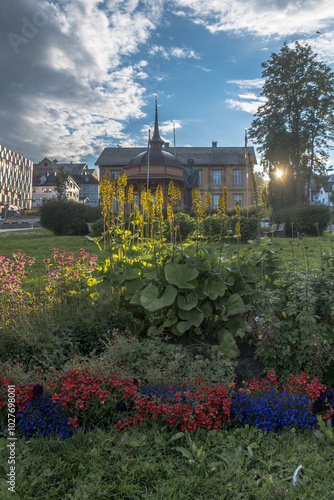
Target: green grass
[
  {"x": 37, "y": 243},
  {"x": 155, "y": 464}
]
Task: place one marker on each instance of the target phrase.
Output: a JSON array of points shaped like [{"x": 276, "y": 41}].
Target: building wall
[
  {"x": 233, "y": 177},
  {"x": 215, "y": 178},
  {"x": 15, "y": 180}
]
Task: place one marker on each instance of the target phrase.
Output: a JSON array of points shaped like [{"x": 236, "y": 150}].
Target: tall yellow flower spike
[
  {"x": 237, "y": 226},
  {"x": 150, "y": 205},
  {"x": 170, "y": 214},
  {"x": 143, "y": 201},
  {"x": 160, "y": 201},
  {"x": 208, "y": 199},
  {"x": 130, "y": 194}
]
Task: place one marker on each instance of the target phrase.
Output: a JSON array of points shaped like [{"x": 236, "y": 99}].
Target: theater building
[{"x": 160, "y": 163}]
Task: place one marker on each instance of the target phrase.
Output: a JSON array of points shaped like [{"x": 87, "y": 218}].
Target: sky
[{"x": 81, "y": 75}]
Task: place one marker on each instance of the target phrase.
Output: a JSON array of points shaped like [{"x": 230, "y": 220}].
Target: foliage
[
  {"x": 294, "y": 125},
  {"x": 64, "y": 217},
  {"x": 295, "y": 330},
  {"x": 92, "y": 214},
  {"x": 308, "y": 219},
  {"x": 97, "y": 227},
  {"x": 158, "y": 361},
  {"x": 62, "y": 182}
]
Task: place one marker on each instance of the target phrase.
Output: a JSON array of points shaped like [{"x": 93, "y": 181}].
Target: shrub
[
  {"x": 92, "y": 214},
  {"x": 97, "y": 227},
  {"x": 187, "y": 226},
  {"x": 304, "y": 218},
  {"x": 156, "y": 361},
  {"x": 64, "y": 218}
]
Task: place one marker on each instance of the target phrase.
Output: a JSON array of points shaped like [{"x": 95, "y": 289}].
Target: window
[
  {"x": 215, "y": 199},
  {"x": 200, "y": 177},
  {"x": 217, "y": 178},
  {"x": 115, "y": 175},
  {"x": 116, "y": 206},
  {"x": 237, "y": 197},
  {"x": 237, "y": 177}
]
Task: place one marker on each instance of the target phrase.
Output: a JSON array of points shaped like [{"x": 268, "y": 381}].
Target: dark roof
[
  {"x": 200, "y": 155},
  {"x": 49, "y": 180},
  {"x": 157, "y": 157},
  {"x": 81, "y": 179}
]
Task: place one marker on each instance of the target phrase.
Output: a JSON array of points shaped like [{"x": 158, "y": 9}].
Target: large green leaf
[
  {"x": 154, "y": 331},
  {"x": 206, "y": 310},
  {"x": 181, "y": 275},
  {"x": 131, "y": 287},
  {"x": 235, "y": 305},
  {"x": 227, "y": 344},
  {"x": 184, "y": 326},
  {"x": 150, "y": 300},
  {"x": 135, "y": 300},
  {"x": 187, "y": 302},
  {"x": 213, "y": 289},
  {"x": 195, "y": 317}
]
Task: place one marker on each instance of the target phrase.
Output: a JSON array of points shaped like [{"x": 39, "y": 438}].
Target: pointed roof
[{"x": 156, "y": 141}]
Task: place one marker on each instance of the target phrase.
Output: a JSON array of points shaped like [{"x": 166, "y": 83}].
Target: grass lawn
[
  {"x": 156, "y": 464},
  {"x": 38, "y": 242}
]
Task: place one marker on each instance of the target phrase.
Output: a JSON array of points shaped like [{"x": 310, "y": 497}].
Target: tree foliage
[
  {"x": 62, "y": 183},
  {"x": 295, "y": 125}
]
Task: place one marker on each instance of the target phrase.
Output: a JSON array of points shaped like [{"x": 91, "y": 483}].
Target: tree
[
  {"x": 62, "y": 183},
  {"x": 295, "y": 125}
]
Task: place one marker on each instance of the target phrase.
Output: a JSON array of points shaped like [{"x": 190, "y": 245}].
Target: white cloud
[
  {"x": 255, "y": 83},
  {"x": 259, "y": 17},
  {"x": 323, "y": 45},
  {"x": 177, "y": 52},
  {"x": 249, "y": 107},
  {"x": 165, "y": 128},
  {"x": 75, "y": 86}
]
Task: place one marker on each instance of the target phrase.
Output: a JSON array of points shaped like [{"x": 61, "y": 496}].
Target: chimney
[{"x": 214, "y": 144}]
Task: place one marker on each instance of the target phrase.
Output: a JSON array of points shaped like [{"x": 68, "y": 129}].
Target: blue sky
[{"x": 80, "y": 75}]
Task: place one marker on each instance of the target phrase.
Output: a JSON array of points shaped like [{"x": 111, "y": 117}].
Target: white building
[
  {"x": 15, "y": 180},
  {"x": 44, "y": 188},
  {"x": 325, "y": 192},
  {"x": 86, "y": 179}
]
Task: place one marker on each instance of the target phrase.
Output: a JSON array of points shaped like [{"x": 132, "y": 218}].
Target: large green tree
[{"x": 295, "y": 125}]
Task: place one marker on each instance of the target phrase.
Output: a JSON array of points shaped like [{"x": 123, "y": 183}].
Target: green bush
[
  {"x": 92, "y": 214},
  {"x": 64, "y": 218},
  {"x": 97, "y": 227},
  {"x": 187, "y": 226},
  {"x": 156, "y": 360},
  {"x": 248, "y": 227},
  {"x": 304, "y": 218}
]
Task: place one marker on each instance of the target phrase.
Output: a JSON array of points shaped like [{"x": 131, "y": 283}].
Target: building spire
[{"x": 156, "y": 141}]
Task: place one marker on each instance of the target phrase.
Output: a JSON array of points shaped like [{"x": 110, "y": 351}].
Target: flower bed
[{"x": 81, "y": 397}]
